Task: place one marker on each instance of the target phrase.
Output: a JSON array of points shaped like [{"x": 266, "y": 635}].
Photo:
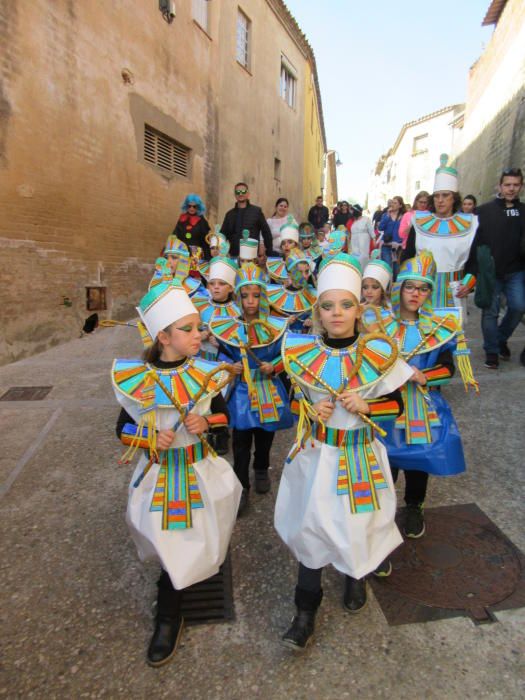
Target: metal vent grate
[
  {"x": 165, "y": 152},
  {"x": 211, "y": 600},
  {"x": 26, "y": 393}
]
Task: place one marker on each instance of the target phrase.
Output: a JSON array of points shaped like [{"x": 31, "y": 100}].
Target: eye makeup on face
[
  {"x": 245, "y": 295},
  {"x": 187, "y": 328},
  {"x": 329, "y": 305}
]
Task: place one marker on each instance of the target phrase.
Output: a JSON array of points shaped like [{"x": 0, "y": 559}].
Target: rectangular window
[
  {"x": 420, "y": 144},
  {"x": 200, "y": 13},
  {"x": 243, "y": 39},
  {"x": 277, "y": 169},
  {"x": 165, "y": 152},
  {"x": 288, "y": 86}
]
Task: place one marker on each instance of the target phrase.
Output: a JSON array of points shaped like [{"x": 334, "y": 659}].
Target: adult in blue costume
[
  {"x": 425, "y": 439},
  {"x": 258, "y": 402}
]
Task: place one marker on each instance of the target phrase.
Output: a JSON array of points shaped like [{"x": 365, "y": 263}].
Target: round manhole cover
[{"x": 458, "y": 564}]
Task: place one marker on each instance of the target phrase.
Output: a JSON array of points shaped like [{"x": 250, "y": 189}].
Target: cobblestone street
[{"x": 76, "y": 602}]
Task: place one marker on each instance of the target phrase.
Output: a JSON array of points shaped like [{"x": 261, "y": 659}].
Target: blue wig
[{"x": 193, "y": 199}]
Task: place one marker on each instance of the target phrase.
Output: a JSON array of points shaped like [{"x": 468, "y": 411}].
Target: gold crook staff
[
  {"x": 337, "y": 395},
  {"x": 184, "y": 411}
]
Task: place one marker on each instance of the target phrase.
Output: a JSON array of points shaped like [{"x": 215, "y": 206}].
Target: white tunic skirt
[
  {"x": 196, "y": 553},
  {"x": 193, "y": 554},
  {"x": 315, "y": 521}
]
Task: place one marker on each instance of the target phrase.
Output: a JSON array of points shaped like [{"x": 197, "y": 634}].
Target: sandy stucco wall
[{"x": 79, "y": 206}]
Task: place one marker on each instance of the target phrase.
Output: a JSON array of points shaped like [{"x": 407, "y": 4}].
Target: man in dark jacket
[
  {"x": 502, "y": 229},
  {"x": 318, "y": 214},
  {"x": 245, "y": 216}
]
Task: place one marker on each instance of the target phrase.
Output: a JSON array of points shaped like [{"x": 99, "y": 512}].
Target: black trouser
[
  {"x": 415, "y": 485},
  {"x": 242, "y": 447},
  {"x": 169, "y": 599},
  {"x": 308, "y": 592}
]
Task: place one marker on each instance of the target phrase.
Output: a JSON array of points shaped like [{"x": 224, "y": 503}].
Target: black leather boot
[
  {"x": 301, "y": 631},
  {"x": 355, "y": 598},
  {"x": 165, "y": 640},
  {"x": 262, "y": 481},
  {"x": 168, "y": 623}
]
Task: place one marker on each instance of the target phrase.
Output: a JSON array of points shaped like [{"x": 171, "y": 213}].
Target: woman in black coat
[{"x": 192, "y": 227}]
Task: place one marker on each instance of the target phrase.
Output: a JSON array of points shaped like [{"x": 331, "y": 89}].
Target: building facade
[
  {"x": 331, "y": 196},
  {"x": 110, "y": 113},
  {"x": 493, "y": 137},
  {"x": 409, "y": 166}
]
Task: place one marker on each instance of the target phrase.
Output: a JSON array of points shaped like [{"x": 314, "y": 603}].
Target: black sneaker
[
  {"x": 414, "y": 521},
  {"x": 491, "y": 361},
  {"x": 262, "y": 481},
  {"x": 243, "y": 503},
  {"x": 384, "y": 569},
  {"x": 504, "y": 352}
]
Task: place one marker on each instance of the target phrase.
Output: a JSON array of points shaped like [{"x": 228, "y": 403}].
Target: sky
[{"x": 382, "y": 63}]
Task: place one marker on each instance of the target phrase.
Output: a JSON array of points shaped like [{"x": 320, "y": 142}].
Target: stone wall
[
  {"x": 79, "y": 204},
  {"x": 493, "y": 136}
]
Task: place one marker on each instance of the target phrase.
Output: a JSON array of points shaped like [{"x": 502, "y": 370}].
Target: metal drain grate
[
  {"x": 463, "y": 565},
  {"x": 26, "y": 393},
  {"x": 211, "y": 600}
]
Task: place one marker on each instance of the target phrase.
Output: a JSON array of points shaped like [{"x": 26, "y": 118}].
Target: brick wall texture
[{"x": 78, "y": 206}]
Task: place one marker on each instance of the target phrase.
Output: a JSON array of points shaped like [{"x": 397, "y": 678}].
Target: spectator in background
[
  {"x": 318, "y": 214},
  {"x": 469, "y": 204},
  {"x": 421, "y": 203},
  {"x": 389, "y": 228},
  {"x": 245, "y": 215},
  {"x": 502, "y": 229},
  {"x": 279, "y": 218},
  {"x": 361, "y": 235},
  {"x": 376, "y": 218},
  {"x": 342, "y": 215},
  {"x": 192, "y": 227}
]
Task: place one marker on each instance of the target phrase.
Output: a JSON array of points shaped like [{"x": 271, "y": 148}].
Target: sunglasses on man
[{"x": 243, "y": 191}]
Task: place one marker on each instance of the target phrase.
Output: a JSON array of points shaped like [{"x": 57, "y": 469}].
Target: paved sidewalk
[{"x": 76, "y": 602}]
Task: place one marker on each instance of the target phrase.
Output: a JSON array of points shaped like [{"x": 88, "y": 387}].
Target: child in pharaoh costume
[
  {"x": 308, "y": 242},
  {"x": 175, "y": 266},
  {"x": 336, "y": 502},
  {"x": 183, "y": 499},
  {"x": 377, "y": 278},
  {"x": 335, "y": 242},
  {"x": 425, "y": 439},
  {"x": 295, "y": 298},
  {"x": 217, "y": 299},
  {"x": 258, "y": 402},
  {"x": 289, "y": 242},
  {"x": 218, "y": 302},
  {"x": 219, "y": 248}
]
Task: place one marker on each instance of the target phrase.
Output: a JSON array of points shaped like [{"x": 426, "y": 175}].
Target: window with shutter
[
  {"x": 288, "y": 83},
  {"x": 166, "y": 153},
  {"x": 243, "y": 39}
]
